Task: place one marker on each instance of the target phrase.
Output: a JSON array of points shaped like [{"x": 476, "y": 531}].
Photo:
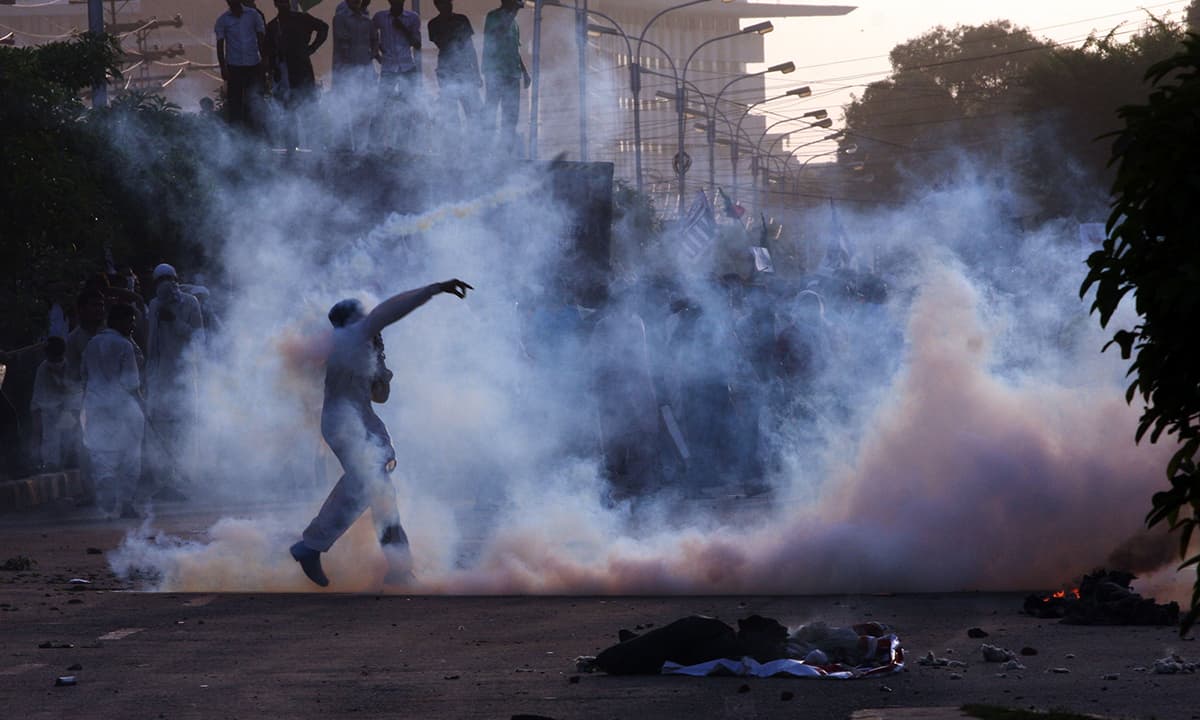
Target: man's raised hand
[{"x": 455, "y": 287}]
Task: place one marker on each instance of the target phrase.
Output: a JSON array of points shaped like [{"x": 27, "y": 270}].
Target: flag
[
  {"x": 698, "y": 227},
  {"x": 841, "y": 247},
  {"x": 762, "y": 260},
  {"x": 732, "y": 210}
]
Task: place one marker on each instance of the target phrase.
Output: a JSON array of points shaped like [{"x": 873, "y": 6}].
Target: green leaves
[{"x": 1153, "y": 250}]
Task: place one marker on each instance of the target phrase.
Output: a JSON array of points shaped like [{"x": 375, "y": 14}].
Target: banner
[{"x": 698, "y": 227}]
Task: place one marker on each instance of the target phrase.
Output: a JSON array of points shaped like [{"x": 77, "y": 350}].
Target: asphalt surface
[{"x": 157, "y": 655}]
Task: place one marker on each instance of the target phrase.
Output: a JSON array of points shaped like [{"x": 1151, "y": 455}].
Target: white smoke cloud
[{"x": 967, "y": 435}]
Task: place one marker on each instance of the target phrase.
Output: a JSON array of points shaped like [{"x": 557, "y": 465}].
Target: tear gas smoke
[{"x": 967, "y": 434}]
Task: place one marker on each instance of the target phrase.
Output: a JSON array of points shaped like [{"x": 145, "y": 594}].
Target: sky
[{"x": 837, "y": 56}]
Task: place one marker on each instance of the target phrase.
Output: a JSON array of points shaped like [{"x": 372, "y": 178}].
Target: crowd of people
[
  {"x": 374, "y": 56},
  {"x": 116, "y": 390}
]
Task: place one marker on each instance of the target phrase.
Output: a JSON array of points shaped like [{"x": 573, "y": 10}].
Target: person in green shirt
[{"x": 503, "y": 70}]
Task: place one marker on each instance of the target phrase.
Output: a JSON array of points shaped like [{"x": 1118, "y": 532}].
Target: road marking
[
  {"x": 118, "y": 634},
  {"x": 18, "y": 669}
]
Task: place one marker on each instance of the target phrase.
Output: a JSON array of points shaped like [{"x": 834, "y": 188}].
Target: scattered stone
[
  {"x": 977, "y": 633},
  {"x": 1013, "y": 665},
  {"x": 786, "y": 695},
  {"x": 743, "y": 689},
  {"x": 931, "y": 660},
  {"x": 20, "y": 563},
  {"x": 885, "y": 688},
  {"x": 955, "y": 676},
  {"x": 1113, "y": 676},
  {"x": 991, "y": 653},
  {"x": 585, "y": 664},
  {"x": 1174, "y": 664},
  {"x": 1059, "y": 670},
  {"x": 1070, "y": 656},
  {"x": 65, "y": 681},
  {"x": 1028, "y": 651},
  {"x": 50, "y": 645},
  {"x": 79, "y": 581},
  {"x": 75, "y": 668}
]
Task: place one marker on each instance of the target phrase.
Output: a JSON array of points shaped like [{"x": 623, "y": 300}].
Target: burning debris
[{"x": 1102, "y": 598}]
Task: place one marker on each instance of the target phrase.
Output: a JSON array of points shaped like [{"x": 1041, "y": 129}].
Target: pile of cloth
[{"x": 760, "y": 647}]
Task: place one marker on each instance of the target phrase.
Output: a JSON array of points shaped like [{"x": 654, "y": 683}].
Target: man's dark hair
[
  {"x": 345, "y": 311},
  {"x": 120, "y": 311},
  {"x": 56, "y": 347}
]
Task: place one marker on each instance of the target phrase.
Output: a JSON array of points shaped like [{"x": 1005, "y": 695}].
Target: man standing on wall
[
  {"x": 240, "y": 36},
  {"x": 504, "y": 71},
  {"x": 395, "y": 37},
  {"x": 457, "y": 69}
]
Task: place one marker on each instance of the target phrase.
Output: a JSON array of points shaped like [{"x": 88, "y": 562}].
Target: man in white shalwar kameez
[
  {"x": 113, "y": 423},
  {"x": 355, "y": 375}
]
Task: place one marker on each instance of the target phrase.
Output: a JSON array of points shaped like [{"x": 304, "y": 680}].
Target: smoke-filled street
[{"x": 205, "y": 655}]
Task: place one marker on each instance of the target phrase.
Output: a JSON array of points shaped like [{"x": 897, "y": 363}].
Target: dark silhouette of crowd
[
  {"x": 377, "y": 96},
  {"x": 114, "y": 393}
]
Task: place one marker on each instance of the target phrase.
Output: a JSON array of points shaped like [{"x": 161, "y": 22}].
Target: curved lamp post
[
  {"x": 681, "y": 163},
  {"x": 784, "y": 68}
]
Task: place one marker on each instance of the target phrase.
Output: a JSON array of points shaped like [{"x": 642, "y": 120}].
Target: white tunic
[{"x": 113, "y": 418}]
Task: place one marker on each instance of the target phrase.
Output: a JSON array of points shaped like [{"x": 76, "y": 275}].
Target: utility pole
[
  {"x": 536, "y": 79},
  {"x": 581, "y": 39},
  {"x": 96, "y": 27}
]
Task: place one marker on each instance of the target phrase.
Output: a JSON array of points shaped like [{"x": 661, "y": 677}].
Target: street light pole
[
  {"x": 784, "y": 68},
  {"x": 581, "y": 8},
  {"x": 799, "y": 92},
  {"x": 635, "y": 81},
  {"x": 682, "y": 162}
]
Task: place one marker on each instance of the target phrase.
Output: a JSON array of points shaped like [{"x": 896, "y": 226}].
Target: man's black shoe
[{"x": 310, "y": 563}]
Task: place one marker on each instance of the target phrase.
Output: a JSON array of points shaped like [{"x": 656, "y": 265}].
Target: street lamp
[
  {"x": 797, "y": 92},
  {"x": 635, "y": 81},
  {"x": 682, "y": 161},
  {"x": 784, "y": 68}
]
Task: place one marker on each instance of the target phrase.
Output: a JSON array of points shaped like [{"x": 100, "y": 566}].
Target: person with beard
[
  {"x": 113, "y": 420},
  {"x": 172, "y": 374},
  {"x": 356, "y": 376},
  {"x": 292, "y": 37},
  {"x": 457, "y": 69}
]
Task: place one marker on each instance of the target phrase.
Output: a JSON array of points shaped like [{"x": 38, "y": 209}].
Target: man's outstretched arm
[{"x": 397, "y": 306}]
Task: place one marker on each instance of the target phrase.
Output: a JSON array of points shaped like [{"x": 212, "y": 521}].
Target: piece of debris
[
  {"x": 1102, "y": 598},
  {"x": 79, "y": 581},
  {"x": 49, "y": 645},
  {"x": 1070, "y": 656},
  {"x": 977, "y": 633},
  {"x": 1012, "y": 666},
  {"x": 1113, "y": 676},
  {"x": 884, "y": 688},
  {"x": 65, "y": 681},
  {"x": 585, "y": 664},
  {"x": 934, "y": 661},
  {"x": 1059, "y": 671},
  {"x": 19, "y": 563},
  {"x": 1174, "y": 664},
  {"x": 991, "y": 653}
]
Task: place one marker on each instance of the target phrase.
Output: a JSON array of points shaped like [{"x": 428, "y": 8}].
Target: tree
[
  {"x": 1153, "y": 253},
  {"x": 950, "y": 87}
]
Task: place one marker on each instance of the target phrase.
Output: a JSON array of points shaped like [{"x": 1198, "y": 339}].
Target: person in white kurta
[
  {"x": 55, "y": 406},
  {"x": 175, "y": 340},
  {"x": 113, "y": 423},
  {"x": 354, "y": 377}
]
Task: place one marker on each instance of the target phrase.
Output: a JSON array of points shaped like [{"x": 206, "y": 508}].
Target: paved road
[{"x": 152, "y": 655}]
